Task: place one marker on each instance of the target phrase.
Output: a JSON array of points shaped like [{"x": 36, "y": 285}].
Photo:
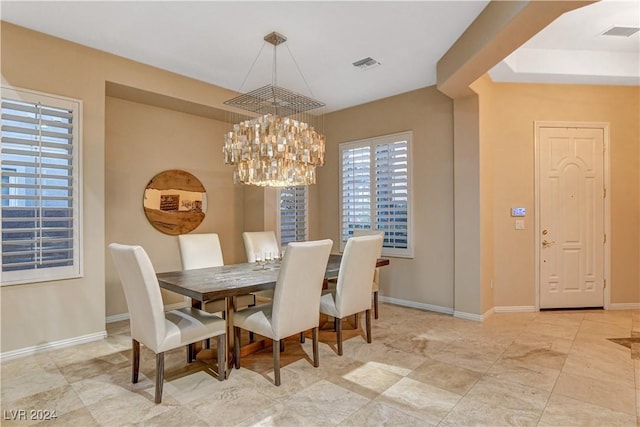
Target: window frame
[
  {"x": 76, "y": 269},
  {"x": 279, "y": 214},
  {"x": 372, "y": 142}
]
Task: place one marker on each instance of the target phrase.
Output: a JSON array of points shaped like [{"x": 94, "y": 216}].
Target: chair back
[
  {"x": 200, "y": 251},
  {"x": 261, "y": 243},
  {"x": 353, "y": 290},
  {"x": 296, "y": 299},
  {"x": 142, "y": 292},
  {"x": 369, "y": 232}
]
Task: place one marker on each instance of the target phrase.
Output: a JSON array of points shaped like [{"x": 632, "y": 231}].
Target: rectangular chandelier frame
[{"x": 274, "y": 100}]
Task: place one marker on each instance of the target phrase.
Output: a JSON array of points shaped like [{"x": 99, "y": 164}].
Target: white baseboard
[
  {"x": 28, "y": 351},
  {"x": 125, "y": 316},
  {"x": 418, "y": 305},
  {"x": 117, "y": 317},
  {"x": 624, "y": 306},
  {"x": 515, "y": 309},
  {"x": 437, "y": 309},
  {"x": 468, "y": 316}
]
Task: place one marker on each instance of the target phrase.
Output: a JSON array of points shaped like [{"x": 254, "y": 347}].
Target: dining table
[{"x": 228, "y": 281}]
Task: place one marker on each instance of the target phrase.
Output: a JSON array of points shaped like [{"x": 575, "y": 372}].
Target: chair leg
[
  {"x": 335, "y": 324},
  {"x": 159, "y": 376},
  {"x": 191, "y": 352},
  {"x": 339, "y": 335},
  {"x": 276, "y": 361},
  {"x": 375, "y": 304},
  {"x": 136, "y": 361},
  {"x": 236, "y": 346},
  {"x": 355, "y": 321},
  {"x": 222, "y": 357},
  {"x": 302, "y": 337},
  {"x": 251, "y": 336},
  {"x": 207, "y": 343},
  {"x": 281, "y": 345},
  {"x": 314, "y": 334},
  {"x": 367, "y": 314}
]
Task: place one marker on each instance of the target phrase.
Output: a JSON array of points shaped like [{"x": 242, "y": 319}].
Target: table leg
[
  {"x": 230, "y": 309},
  {"x": 191, "y": 348}
]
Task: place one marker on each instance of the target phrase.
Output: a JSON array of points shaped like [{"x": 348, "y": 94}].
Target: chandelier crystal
[
  {"x": 281, "y": 147},
  {"x": 274, "y": 151}
]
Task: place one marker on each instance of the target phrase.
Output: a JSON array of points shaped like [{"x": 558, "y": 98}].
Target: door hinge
[
  {"x": 605, "y": 284},
  {"x": 604, "y": 193},
  {"x": 604, "y": 239}
]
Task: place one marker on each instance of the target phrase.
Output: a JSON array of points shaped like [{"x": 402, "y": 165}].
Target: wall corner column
[{"x": 466, "y": 182}]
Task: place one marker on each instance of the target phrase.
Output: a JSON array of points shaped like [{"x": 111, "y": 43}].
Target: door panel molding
[{"x": 604, "y": 126}]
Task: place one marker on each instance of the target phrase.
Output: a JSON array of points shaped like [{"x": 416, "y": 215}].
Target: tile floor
[{"x": 547, "y": 369}]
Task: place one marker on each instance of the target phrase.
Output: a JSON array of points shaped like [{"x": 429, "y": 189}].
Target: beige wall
[
  {"x": 473, "y": 211},
  {"x": 428, "y": 278},
  {"x": 501, "y": 27},
  {"x": 141, "y": 141},
  {"x": 508, "y": 113},
  {"x": 47, "y": 312},
  {"x": 53, "y": 311},
  {"x": 503, "y": 177},
  {"x": 260, "y": 209},
  {"x": 468, "y": 261},
  {"x": 487, "y": 232}
]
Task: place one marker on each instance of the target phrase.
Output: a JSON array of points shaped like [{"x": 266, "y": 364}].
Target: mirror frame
[{"x": 171, "y": 220}]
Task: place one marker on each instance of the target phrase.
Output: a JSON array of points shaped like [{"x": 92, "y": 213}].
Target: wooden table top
[{"x": 206, "y": 284}]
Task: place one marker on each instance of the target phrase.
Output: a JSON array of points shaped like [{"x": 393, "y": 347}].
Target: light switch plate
[{"x": 519, "y": 224}]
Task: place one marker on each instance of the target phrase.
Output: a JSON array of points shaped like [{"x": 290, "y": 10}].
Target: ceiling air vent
[
  {"x": 621, "y": 31},
  {"x": 366, "y": 64}
]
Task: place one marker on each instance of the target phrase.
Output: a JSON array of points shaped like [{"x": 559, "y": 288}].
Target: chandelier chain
[
  {"x": 274, "y": 71},
  {"x": 252, "y": 65},
  {"x": 299, "y": 70}
]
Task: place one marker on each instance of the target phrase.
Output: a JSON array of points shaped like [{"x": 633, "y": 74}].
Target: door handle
[{"x": 546, "y": 244}]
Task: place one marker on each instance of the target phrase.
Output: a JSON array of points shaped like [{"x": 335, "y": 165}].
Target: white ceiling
[
  {"x": 217, "y": 42},
  {"x": 572, "y": 49}
]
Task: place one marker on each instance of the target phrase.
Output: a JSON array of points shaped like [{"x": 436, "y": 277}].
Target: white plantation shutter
[
  {"x": 356, "y": 189},
  {"x": 392, "y": 193},
  {"x": 293, "y": 214},
  {"x": 376, "y": 190},
  {"x": 40, "y": 202}
]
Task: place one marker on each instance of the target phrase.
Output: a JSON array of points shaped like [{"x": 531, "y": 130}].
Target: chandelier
[{"x": 282, "y": 146}]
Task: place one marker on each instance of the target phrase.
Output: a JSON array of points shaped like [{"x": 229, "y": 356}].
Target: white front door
[{"x": 571, "y": 223}]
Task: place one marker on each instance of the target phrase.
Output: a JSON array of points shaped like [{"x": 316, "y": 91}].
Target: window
[
  {"x": 293, "y": 215},
  {"x": 375, "y": 188},
  {"x": 40, "y": 213},
  {"x": 5, "y": 186}
]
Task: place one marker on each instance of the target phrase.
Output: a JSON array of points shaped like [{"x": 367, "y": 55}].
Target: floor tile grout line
[
  {"x": 484, "y": 374},
  {"x": 555, "y": 383},
  {"x": 512, "y": 337},
  {"x": 562, "y": 369}
]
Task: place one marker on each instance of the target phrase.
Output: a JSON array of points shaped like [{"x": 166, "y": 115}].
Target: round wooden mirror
[{"x": 175, "y": 202}]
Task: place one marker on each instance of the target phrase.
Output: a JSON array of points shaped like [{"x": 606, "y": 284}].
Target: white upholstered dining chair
[
  {"x": 296, "y": 300},
  {"x": 352, "y": 294},
  {"x": 375, "y": 288},
  {"x": 150, "y": 325},
  {"x": 261, "y": 243},
  {"x": 202, "y": 251}
]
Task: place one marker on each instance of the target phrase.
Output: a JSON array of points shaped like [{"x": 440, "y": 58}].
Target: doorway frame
[{"x": 604, "y": 126}]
